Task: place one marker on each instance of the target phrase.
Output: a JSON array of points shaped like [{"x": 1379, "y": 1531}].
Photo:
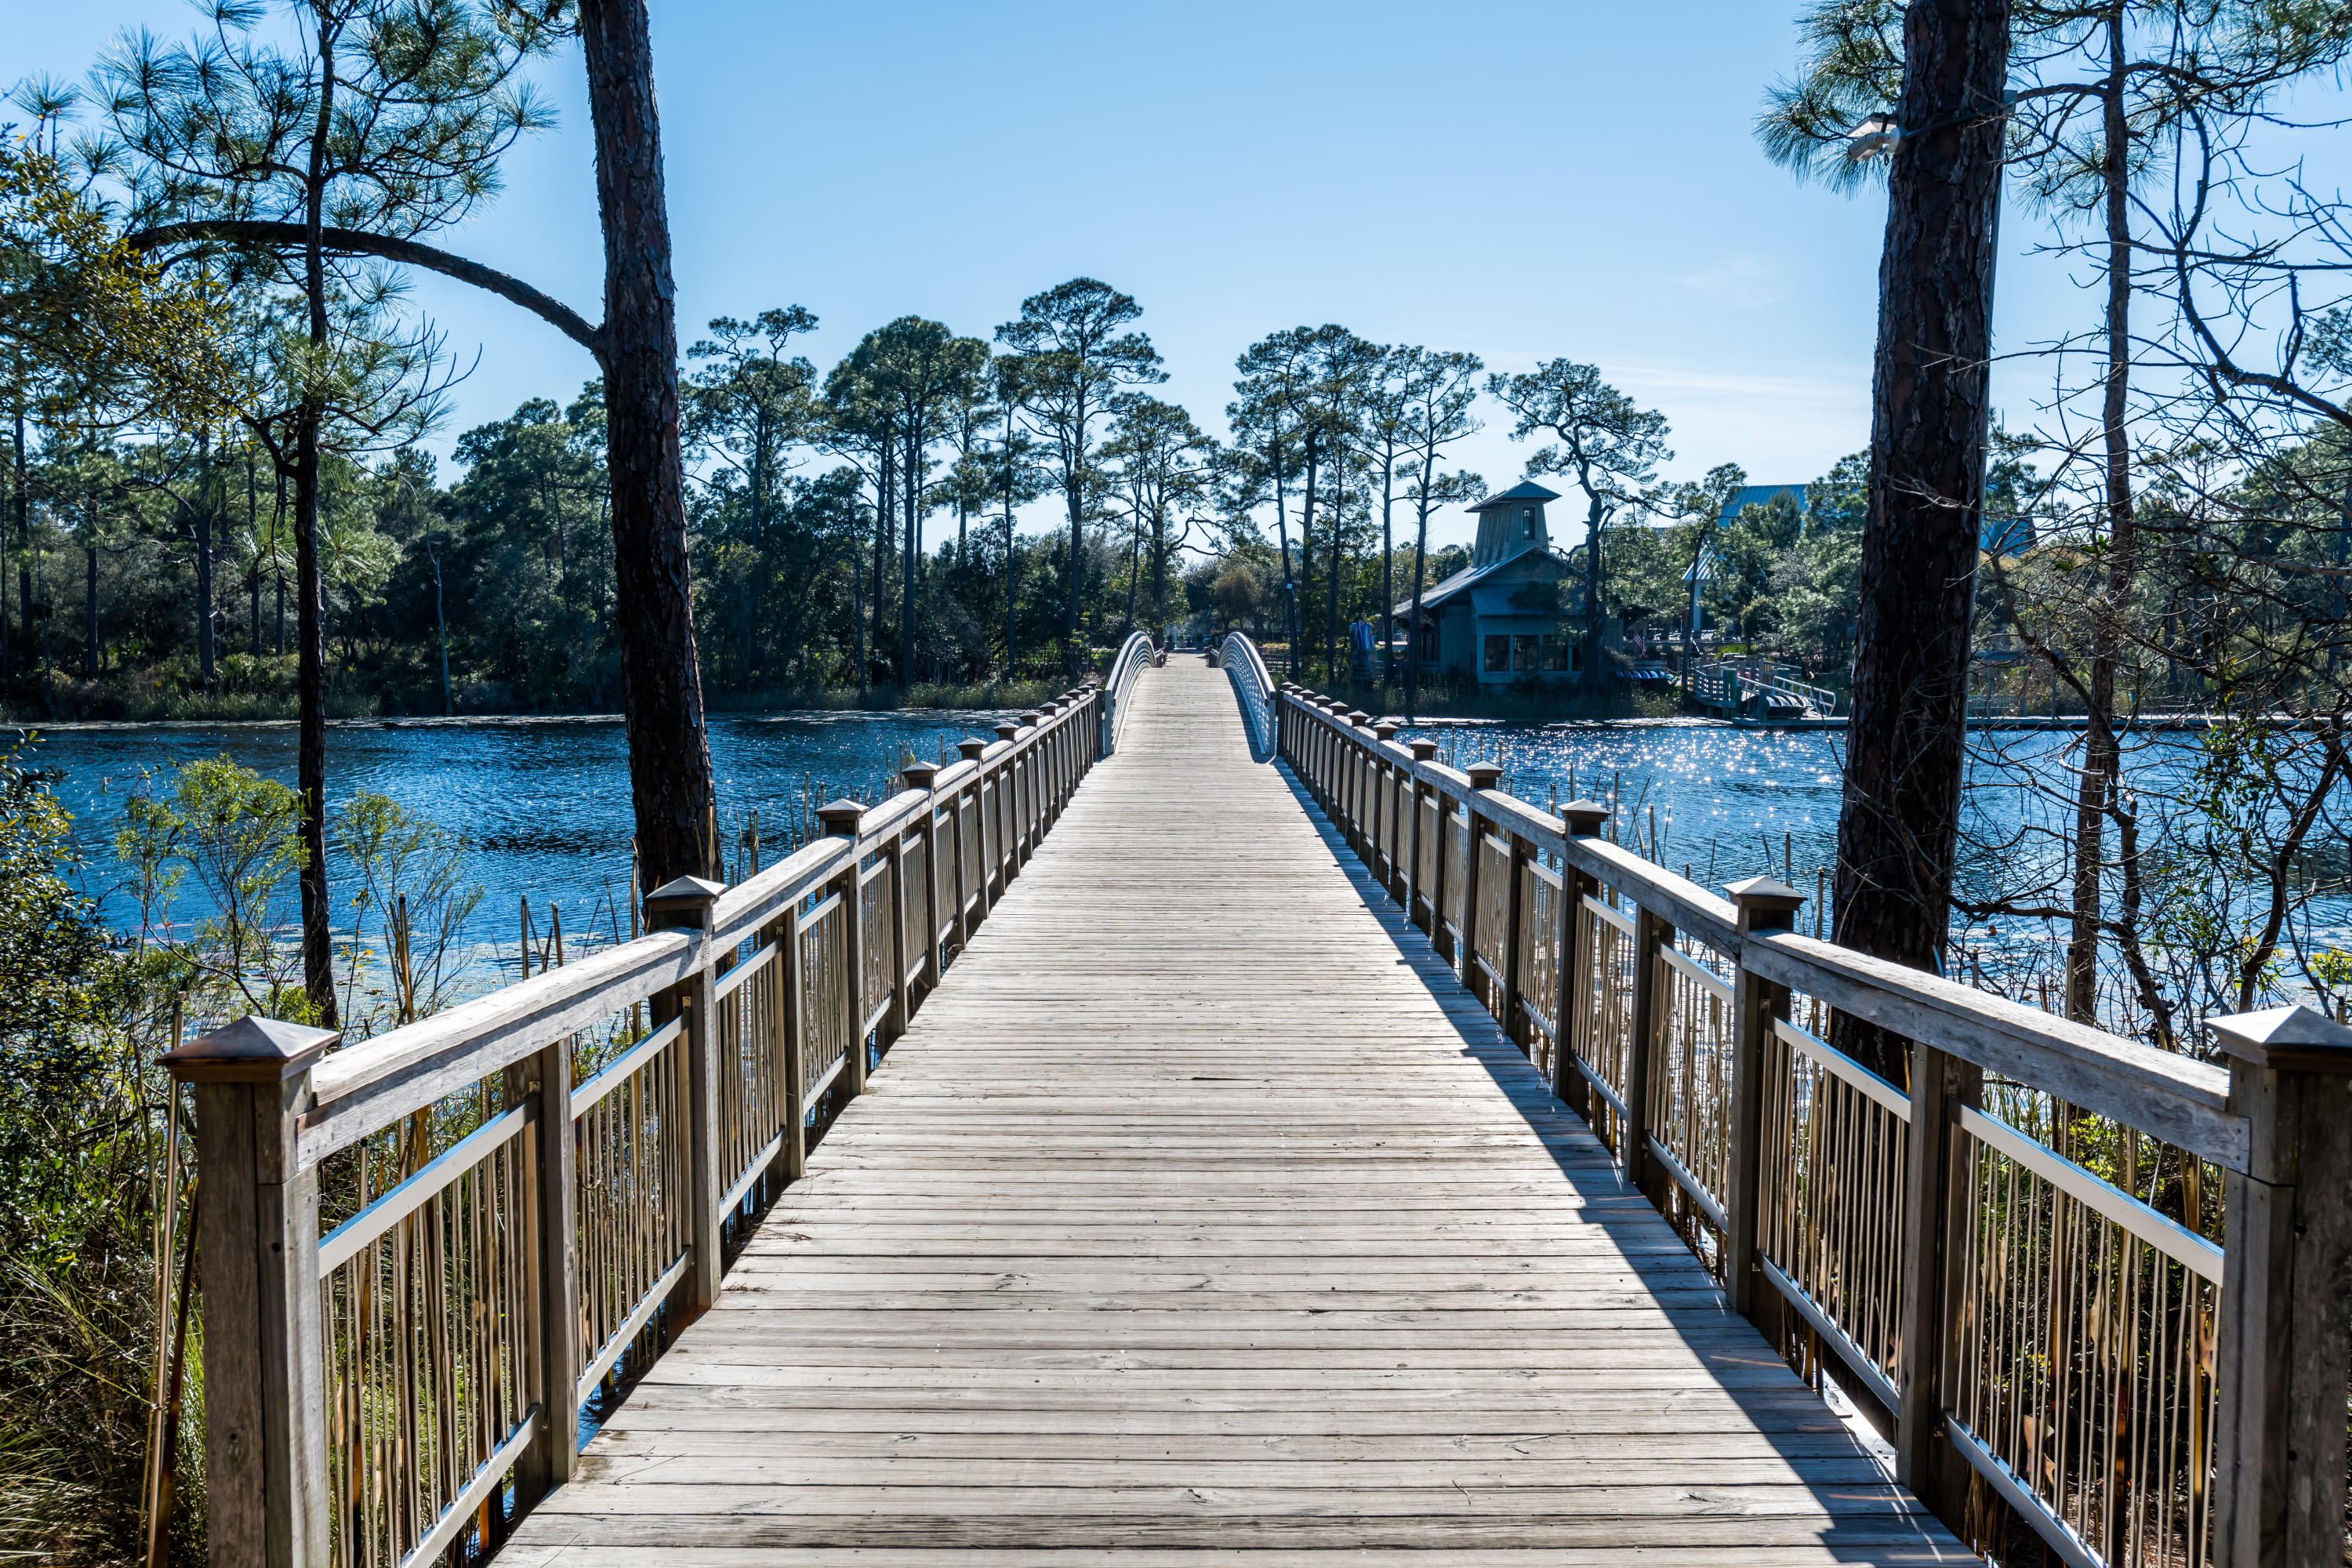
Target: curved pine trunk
[
  {"x": 1898, "y": 825},
  {"x": 669, "y": 750}
]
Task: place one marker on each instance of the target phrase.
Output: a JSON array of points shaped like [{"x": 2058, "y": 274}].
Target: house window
[
  {"x": 1526, "y": 652},
  {"x": 1428, "y": 640},
  {"x": 1498, "y": 654},
  {"x": 1558, "y": 649}
]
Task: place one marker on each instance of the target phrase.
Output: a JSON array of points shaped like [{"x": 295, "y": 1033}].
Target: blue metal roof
[{"x": 1758, "y": 495}]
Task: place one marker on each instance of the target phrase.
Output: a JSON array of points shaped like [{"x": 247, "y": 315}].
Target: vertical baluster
[{"x": 1764, "y": 905}]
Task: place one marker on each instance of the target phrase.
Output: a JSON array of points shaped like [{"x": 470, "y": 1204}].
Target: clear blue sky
[{"x": 1521, "y": 180}]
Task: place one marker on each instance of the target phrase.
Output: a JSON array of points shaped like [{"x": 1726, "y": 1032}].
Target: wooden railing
[
  {"x": 409, "y": 1380},
  {"x": 2023, "y": 1327},
  {"x": 1737, "y": 686}
]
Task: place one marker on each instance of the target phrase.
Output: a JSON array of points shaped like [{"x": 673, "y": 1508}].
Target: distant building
[
  {"x": 1503, "y": 617},
  {"x": 1746, "y": 496},
  {"x": 2000, "y": 536}
]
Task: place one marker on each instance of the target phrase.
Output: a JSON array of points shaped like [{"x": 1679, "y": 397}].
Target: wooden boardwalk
[{"x": 1202, "y": 1216}]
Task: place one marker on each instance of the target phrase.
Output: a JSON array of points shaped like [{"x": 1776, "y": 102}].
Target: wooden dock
[{"x": 1203, "y": 1215}]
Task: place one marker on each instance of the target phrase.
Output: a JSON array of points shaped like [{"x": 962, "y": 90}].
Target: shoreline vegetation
[{"x": 72, "y": 709}]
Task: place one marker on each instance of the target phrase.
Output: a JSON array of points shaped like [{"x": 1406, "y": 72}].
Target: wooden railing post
[
  {"x": 1423, "y": 751},
  {"x": 1483, "y": 777},
  {"x": 1008, "y": 808},
  {"x": 1033, "y": 813},
  {"x": 843, "y": 819},
  {"x": 1518, "y": 852},
  {"x": 265, "y": 1346},
  {"x": 1353, "y": 770},
  {"x": 2286, "y": 1294},
  {"x": 974, "y": 820},
  {"x": 1383, "y": 866},
  {"x": 920, "y": 775},
  {"x": 1651, "y": 934},
  {"x": 1764, "y": 905},
  {"x": 685, "y": 905},
  {"x": 1934, "y": 1216},
  {"x": 1582, "y": 819},
  {"x": 547, "y": 1464}
]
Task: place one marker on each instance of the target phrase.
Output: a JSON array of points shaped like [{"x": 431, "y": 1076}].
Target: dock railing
[
  {"x": 2014, "y": 1262},
  {"x": 421, "y": 1257}
]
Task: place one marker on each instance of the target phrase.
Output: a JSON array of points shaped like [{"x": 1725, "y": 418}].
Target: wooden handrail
[{"x": 2176, "y": 1097}]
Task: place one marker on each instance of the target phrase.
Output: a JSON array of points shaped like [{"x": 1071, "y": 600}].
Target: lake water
[{"x": 546, "y": 802}]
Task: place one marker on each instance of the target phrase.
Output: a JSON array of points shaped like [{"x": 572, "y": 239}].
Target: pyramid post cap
[
  {"x": 1357, "y": 716},
  {"x": 1423, "y": 751},
  {"x": 253, "y": 1049},
  {"x": 840, "y": 817},
  {"x": 2292, "y": 1037},
  {"x": 681, "y": 901},
  {"x": 971, "y": 746},
  {"x": 686, "y": 891},
  {"x": 1764, "y": 903},
  {"x": 1583, "y": 818},
  {"x": 1764, "y": 892},
  {"x": 919, "y": 775},
  {"x": 1485, "y": 776},
  {"x": 1007, "y": 730},
  {"x": 1386, "y": 729}
]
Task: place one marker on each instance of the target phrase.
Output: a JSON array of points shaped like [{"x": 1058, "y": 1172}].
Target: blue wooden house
[{"x": 1513, "y": 613}]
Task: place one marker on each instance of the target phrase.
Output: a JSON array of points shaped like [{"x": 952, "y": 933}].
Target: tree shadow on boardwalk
[{"x": 1753, "y": 1376}]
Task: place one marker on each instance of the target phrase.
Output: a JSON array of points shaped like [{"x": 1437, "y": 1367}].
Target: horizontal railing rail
[
  {"x": 1136, "y": 654},
  {"x": 1253, "y": 687},
  {"x": 2026, "y": 1328},
  {"x": 543, "y": 1182}
]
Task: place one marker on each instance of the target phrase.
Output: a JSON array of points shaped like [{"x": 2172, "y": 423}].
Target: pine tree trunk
[
  {"x": 310, "y": 621},
  {"x": 205, "y": 575},
  {"x": 90, "y": 612},
  {"x": 912, "y": 498},
  {"x": 1898, "y": 825},
  {"x": 1073, "y": 495},
  {"x": 669, "y": 748},
  {"x": 2102, "y": 756},
  {"x": 311, "y": 696}
]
